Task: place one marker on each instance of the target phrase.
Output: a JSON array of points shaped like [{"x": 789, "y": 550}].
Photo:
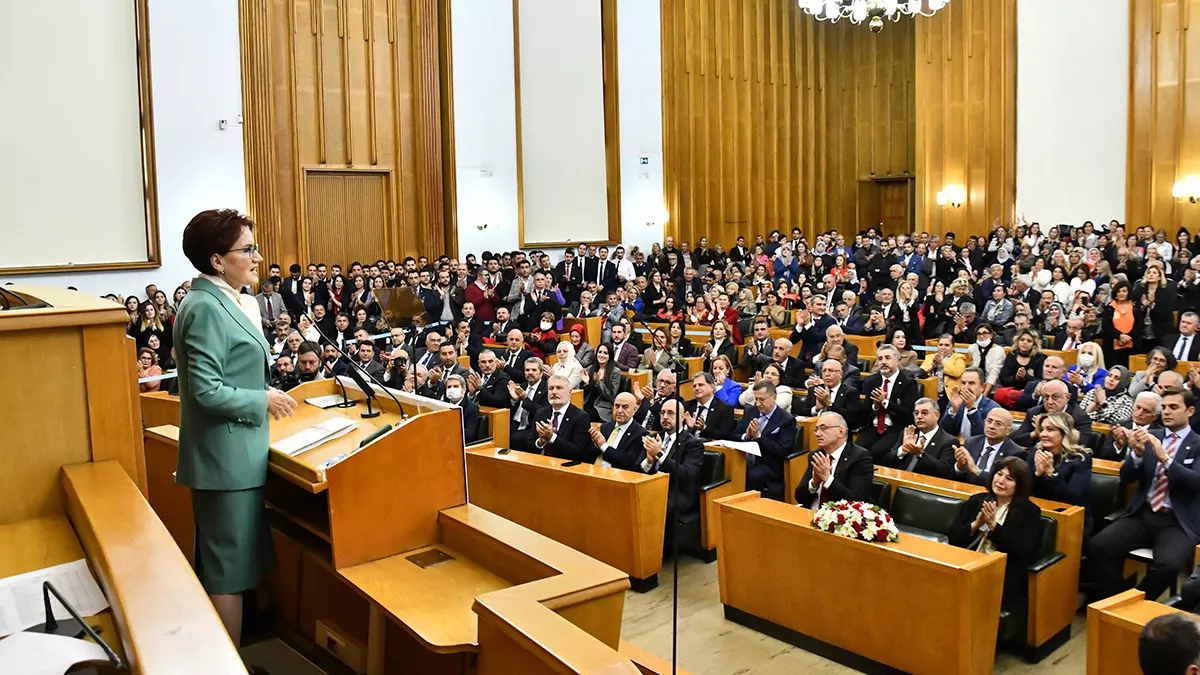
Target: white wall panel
[{"x": 1072, "y": 109}]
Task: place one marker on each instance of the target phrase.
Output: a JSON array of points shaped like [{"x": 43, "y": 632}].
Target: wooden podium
[
  {"x": 378, "y": 545},
  {"x": 74, "y": 483}
]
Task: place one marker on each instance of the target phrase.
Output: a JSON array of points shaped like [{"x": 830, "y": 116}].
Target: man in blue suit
[
  {"x": 968, "y": 408},
  {"x": 775, "y": 431},
  {"x": 810, "y": 329},
  {"x": 1164, "y": 510}
]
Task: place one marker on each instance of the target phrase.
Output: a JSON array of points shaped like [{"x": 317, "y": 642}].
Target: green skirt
[{"x": 233, "y": 548}]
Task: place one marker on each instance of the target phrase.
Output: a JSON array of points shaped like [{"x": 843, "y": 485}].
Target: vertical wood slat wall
[
  {"x": 348, "y": 85},
  {"x": 770, "y": 118},
  {"x": 1164, "y": 112},
  {"x": 966, "y": 91}
]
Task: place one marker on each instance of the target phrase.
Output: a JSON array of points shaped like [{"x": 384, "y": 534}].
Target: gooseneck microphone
[{"x": 369, "y": 391}]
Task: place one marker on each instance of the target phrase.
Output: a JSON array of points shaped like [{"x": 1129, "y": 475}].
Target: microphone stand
[{"x": 368, "y": 390}]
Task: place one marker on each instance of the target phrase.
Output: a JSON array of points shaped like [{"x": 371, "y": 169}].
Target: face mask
[
  {"x": 454, "y": 394},
  {"x": 546, "y": 325},
  {"x": 1086, "y": 361},
  {"x": 985, "y": 342}
]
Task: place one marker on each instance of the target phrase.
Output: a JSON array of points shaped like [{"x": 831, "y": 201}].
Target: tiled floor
[{"x": 710, "y": 645}]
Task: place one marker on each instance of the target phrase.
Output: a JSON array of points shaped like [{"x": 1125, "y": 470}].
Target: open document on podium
[
  {"x": 21, "y": 604},
  {"x": 319, "y": 433}
]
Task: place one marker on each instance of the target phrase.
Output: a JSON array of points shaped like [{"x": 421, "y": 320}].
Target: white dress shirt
[
  {"x": 816, "y": 489},
  {"x": 668, "y": 445},
  {"x": 1183, "y": 346}
]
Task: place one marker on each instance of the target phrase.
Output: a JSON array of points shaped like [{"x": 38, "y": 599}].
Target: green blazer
[{"x": 223, "y": 375}]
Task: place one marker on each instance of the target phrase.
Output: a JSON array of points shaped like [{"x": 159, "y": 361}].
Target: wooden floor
[{"x": 710, "y": 645}]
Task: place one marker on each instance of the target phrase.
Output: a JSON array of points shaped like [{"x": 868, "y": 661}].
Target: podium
[
  {"x": 378, "y": 546},
  {"x": 74, "y": 482}
]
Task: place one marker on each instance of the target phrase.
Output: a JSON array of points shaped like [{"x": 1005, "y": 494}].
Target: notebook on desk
[{"x": 319, "y": 433}]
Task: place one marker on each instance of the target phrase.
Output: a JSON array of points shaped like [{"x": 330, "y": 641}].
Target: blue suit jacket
[
  {"x": 776, "y": 442},
  {"x": 1183, "y": 486},
  {"x": 951, "y": 422}
]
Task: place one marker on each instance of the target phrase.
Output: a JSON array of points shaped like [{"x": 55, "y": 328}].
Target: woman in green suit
[{"x": 224, "y": 403}]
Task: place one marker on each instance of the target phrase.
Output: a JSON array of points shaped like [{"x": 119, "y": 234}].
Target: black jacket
[
  {"x": 852, "y": 478},
  {"x": 572, "y": 441},
  {"x": 718, "y": 423},
  {"x": 1017, "y": 537}
]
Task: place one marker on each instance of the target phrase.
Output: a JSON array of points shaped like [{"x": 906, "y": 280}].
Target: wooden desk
[
  {"x": 1113, "y": 627},
  {"x": 615, "y": 516},
  {"x": 500, "y": 424},
  {"x": 780, "y": 575},
  {"x": 344, "y": 534},
  {"x": 1052, "y": 594}
]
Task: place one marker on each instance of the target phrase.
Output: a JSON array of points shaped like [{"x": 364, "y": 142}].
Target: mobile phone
[
  {"x": 504, "y": 451},
  {"x": 573, "y": 462}
]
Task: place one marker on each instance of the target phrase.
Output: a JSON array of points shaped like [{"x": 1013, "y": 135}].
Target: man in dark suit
[
  {"x": 650, "y": 399},
  {"x": 707, "y": 416},
  {"x": 490, "y": 387},
  {"x": 1164, "y": 511},
  {"x": 1055, "y": 398},
  {"x": 838, "y": 469},
  {"x": 925, "y": 448},
  {"x": 515, "y": 357},
  {"x": 539, "y": 301},
  {"x": 600, "y": 270},
  {"x": 973, "y": 461},
  {"x": 760, "y": 348},
  {"x": 1053, "y": 369},
  {"x": 835, "y": 336},
  {"x": 620, "y": 441},
  {"x": 968, "y": 408},
  {"x": 891, "y": 395},
  {"x": 791, "y": 367},
  {"x": 568, "y": 274},
  {"x": 292, "y": 292},
  {"x": 679, "y": 454},
  {"x": 1146, "y": 409},
  {"x": 562, "y": 429},
  {"x": 1185, "y": 344},
  {"x": 526, "y": 401},
  {"x": 831, "y": 392},
  {"x": 810, "y": 328},
  {"x": 503, "y": 325},
  {"x": 454, "y": 390},
  {"x": 447, "y": 365},
  {"x": 774, "y": 429},
  {"x": 366, "y": 360},
  {"x": 625, "y": 354},
  {"x": 427, "y": 355}
]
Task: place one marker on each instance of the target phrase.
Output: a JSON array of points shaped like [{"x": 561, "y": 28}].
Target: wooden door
[
  {"x": 895, "y": 206},
  {"x": 347, "y": 216}
]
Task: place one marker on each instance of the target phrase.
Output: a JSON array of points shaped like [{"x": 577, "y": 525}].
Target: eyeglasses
[{"x": 251, "y": 250}]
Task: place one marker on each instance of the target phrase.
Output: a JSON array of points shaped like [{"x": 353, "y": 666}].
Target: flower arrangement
[{"x": 857, "y": 520}]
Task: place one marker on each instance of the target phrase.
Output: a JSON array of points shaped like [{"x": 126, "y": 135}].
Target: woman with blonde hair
[
  {"x": 568, "y": 366},
  {"x": 1061, "y": 466},
  {"x": 1089, "y": 370}
]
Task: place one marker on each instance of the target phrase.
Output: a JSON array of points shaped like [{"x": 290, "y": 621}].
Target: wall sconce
[
  {"x": 481, "y": 227},
  {"x": 952, "y": 195},
  {"x": 1188, "y": 188}
]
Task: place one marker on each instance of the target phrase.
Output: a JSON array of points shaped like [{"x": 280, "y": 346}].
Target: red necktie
[
  {"x": 270, "y": 311},
  {"x": 1158, "y": 496},
  {"x": 881, "y": 419}
]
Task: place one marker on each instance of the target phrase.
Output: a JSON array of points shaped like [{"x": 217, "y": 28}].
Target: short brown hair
[
  {"x": 147, "y": 350},
  {"x": 212, "y": 231}
]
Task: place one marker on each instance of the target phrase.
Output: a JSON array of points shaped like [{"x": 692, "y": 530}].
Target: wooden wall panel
[
  {"x": 1164, "y": 112},
  {"x": 771, "y": 118},
  {"x": 348, "y": 85},
  {"x": 966, "y": 114},
  {"x": 347, "y": 215}
]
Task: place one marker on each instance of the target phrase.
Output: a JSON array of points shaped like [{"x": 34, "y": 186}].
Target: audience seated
[
  {"x": 838, "y": 469},
  {"x": 454, "y": 390},
  {"x": 1004, "y": 520},
  {"x": 650, "y": 399},
  {"x": 1146, "y": 410},
  {"x": 516, "y": 356},
  {"x": 975, "y": 460},
  {"x": 760, "y": 348},
  {"x": 1110, "y": 402},
  {"x": 774, "y": 429},
  {"x": 1056, "y": 398},
  {"x": 526, "y": 400},
  {"x": 830, "y": 392},
  {"x": 679, "y": 454},
  {"x": 946, "y": 365},
  {"x": 924, "y": 448},
  {"x": 561, "y": 428},
  {"x": 726, "y": 389},
  {"x": 1159, "y": 361},
  {"x": 707, "y": 416},
  {"x": 1169, "y": 644},
  {"x": 774, "y": 375},
  {"x": 619, "y": 440},
  {"x": 147, "y": 366},
  {"x": 1061, "y": 467}
]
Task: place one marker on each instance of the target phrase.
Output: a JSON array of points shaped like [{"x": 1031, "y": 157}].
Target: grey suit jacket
[{"x": 277, "y": 307}]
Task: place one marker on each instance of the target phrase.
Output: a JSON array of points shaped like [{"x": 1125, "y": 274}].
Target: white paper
[
  {"x": 41, "y": 654},
  {"x": 21, "y": 604},
  {"x": 324, "y": 402},
  {"x": 315, "y": 435},
  {"x": 748, "y": 447}
]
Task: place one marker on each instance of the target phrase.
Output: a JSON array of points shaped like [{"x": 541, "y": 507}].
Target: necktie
[
  {"x": 985, "y": 462},
  {"x": 512, "y": 359},
  {"x": 612, "y": 437},
  {"x": 555, "y": 422},
  {"x": 881, "y": 418},
  {"x": 1069, "y": 344},
  {"x": 270, "y": 310},
  {"x": 702, "y": 413},
  {"x": 912, "y": 463},
  {"x": 1181, "y": 348},
  {"x": 666, "y": 446},
  {"x": 965, "y": 429},
  {"x": 1158, "y": 495}
]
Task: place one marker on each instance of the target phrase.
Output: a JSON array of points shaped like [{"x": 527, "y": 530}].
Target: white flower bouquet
[{"x": 857, "y": 520}]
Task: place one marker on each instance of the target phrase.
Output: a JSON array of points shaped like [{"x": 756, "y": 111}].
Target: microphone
[{"x": 367, "y": 388}]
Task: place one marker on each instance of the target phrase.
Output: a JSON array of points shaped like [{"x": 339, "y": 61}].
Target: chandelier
[{"x": 871, "y": 12}]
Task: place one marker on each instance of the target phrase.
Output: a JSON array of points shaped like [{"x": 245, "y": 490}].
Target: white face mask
[
  {"x": 454, "y": 394},
  {"x": 985, "y": 342},
  {"x": 546, "y": 325},
  {"x": 1086, "y": 361}
]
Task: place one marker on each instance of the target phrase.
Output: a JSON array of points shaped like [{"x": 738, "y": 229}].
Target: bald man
[
  {"x": 973, "y": 461},
  {"x": 1056, "y": 397},
  {"x": 620, "y": 441},
  {"x": 515, "y": 356}
]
